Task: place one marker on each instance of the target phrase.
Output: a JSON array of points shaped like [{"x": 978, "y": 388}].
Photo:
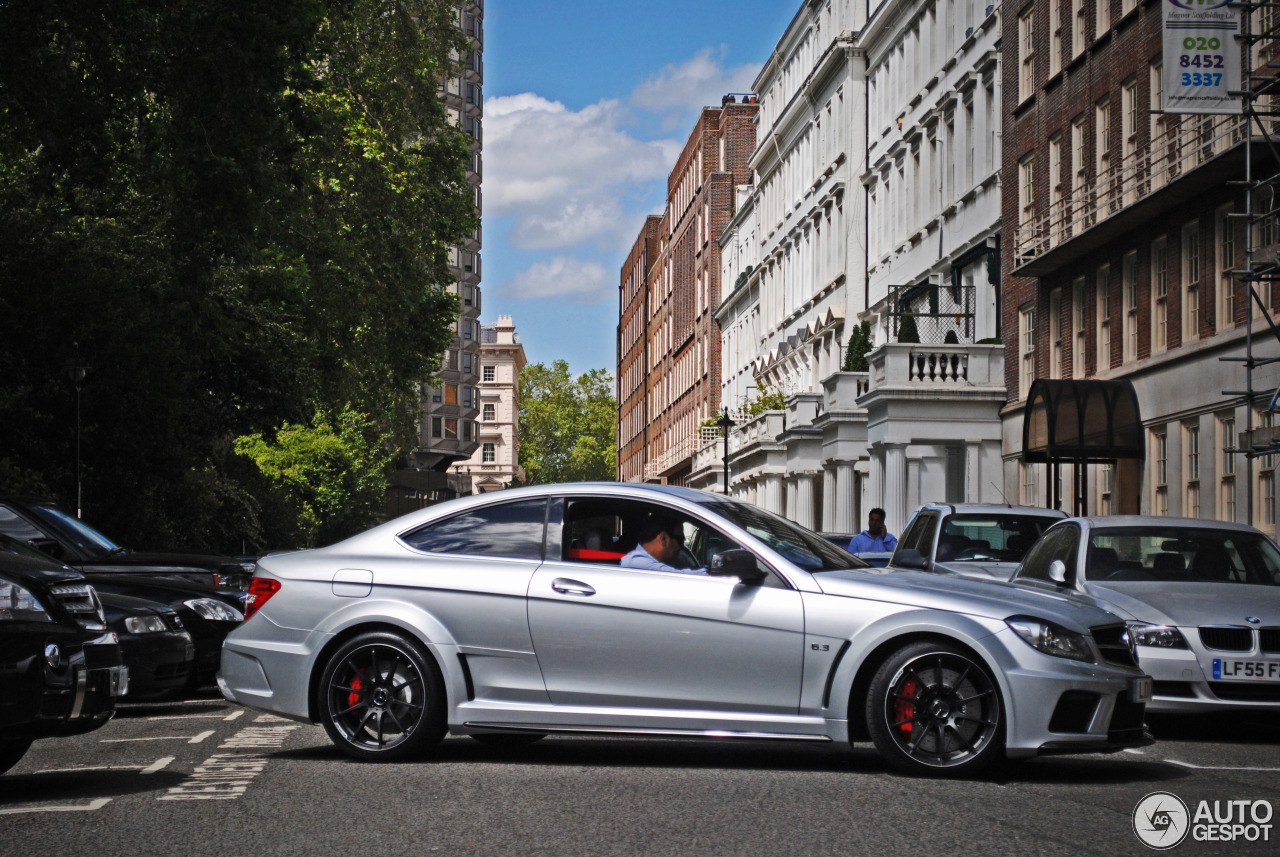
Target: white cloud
[
  {"x": 677, "y": 90},
  {"x": 562, "y": 173},
  {"x": 574, "y": 280}
]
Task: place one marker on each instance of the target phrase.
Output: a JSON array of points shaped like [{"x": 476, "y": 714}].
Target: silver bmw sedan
[{"x": 646, "y": 610}]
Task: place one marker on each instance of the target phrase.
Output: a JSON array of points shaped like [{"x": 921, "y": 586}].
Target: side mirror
[
  {"x": 910, "y": 558},
  {"x": 1058, "y": 572},
  {"x": 49, "y": 546},
  {"x": 737, "y": 563}
]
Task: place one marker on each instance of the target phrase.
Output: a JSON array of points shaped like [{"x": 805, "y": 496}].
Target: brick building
[
  {"x": 1122, "y": 231},
  {"x": 668, "y": 339}
]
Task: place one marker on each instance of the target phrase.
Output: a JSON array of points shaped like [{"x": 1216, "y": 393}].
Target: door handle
[{"x": 571, "y": 587}]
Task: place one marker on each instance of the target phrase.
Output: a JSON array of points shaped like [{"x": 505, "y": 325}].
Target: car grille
[
  {"x": 1173, "y": 688},
  {"x": 82, "y": 603},
  {"x": 1245, "y": 692},
  {"x": 1126, "y": 719},
  {"x": 1270, "y": 640},
  {"x": 1226, "y": 639},
  {"x": 1113, "y": 644}
]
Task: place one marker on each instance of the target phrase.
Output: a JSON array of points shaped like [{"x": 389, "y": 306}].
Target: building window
[
  {"x": 451, "y": 394},
  {"x": 1080, "y": 179},
  {"x": 1079, "y": 33},
  {"x": 1027, "y": 336},
  {"x": 1226, "y": 255},
  {"x": 1129, "y": 291},
  {"x": 488, "y": 413},
  {"x": 489, "y": 373},
  {"x": 1160, "y": 294},
  {"x": 436, "y": 424},
  {"x": 436, "y": 395},
  {"x": 450, "y": 428},
  {"x": 1191, "y": 281},
  {"x": 1160, "y": 142},
  {"x": 1130, "y": 176},
  {"x": 1055, "y": 333},
  {"x": 1160, "y": 471},
  {"x": 1079, "y": 367},
  {"x": 1057, "y": 190},
  {"x": 1106, "y": 487},
  {"x": 1102, "y": 17},
  {"x": 1104, "y": 320},
  {"x": 1027, "y": 189},
  {"x": 1191, "y": 469},
  {"x": 1029, "y": 484},
  {"x": 1102, "y": 167},
  {"x": 1056, "y": 47},
  {"x": 1265, "y": 510},
  {"x": 1227, "y": 468},
  {"x": 487, "y": 453},
  {"x": 466, "y": 361},
  {"x": 1027, "y": 47},
  {"x": 1127, "y": 6}
]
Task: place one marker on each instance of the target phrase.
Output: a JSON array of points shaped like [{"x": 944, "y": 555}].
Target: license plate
[
  {"x": 1140, "y": 689},
  {"x": 1228, "y": 670}
]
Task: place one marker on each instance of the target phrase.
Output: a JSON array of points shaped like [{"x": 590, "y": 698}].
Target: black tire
[
  {"x": 11, "y": 752},
  {"x": 508, "y": 739},
  {"x": 381, "y": 698},
  {"x": 934, "y": 709}
]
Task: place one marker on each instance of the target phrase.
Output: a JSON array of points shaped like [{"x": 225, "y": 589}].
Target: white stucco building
[
  {"x": 858, "y": 210},
  {"x": 496, "y": 462}
]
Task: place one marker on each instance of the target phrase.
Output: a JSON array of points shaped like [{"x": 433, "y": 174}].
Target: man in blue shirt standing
[
  {"x": 660, "y": 540},
  {"x": 875, "y": 538}
]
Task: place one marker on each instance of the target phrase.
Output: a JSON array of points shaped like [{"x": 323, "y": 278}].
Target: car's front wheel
[
  {"x": 11, "y": 752},
  {"x": 935, "y": 709},
  {"x": 382, "y": 698}
]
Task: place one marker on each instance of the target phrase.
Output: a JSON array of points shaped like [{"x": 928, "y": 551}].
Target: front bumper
[
  {"x": 79, "y": 696},
  {"x": 1182, "y": 686}
]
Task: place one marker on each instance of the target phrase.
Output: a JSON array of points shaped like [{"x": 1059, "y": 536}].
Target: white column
[
  {"x": 973, "y": 471},
  {"x": 829, "y": 500},
  {"x": 790, "y": 484},
  {"x": 844, "y": 521},
  {"x": 804, "y": 500},
  {"x": 772, "y": 493},
  {"x": 895, "y": 495}
]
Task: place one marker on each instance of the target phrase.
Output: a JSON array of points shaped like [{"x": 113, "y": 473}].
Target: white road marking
[
  {"x": 226, "y": 776},
  {"x": 147, "y": 769},
  {"x": 233, "y": 715},
  {"x": 188, "y": 717},
  {"x": 200, "y": 737},
  {"x": 157, "y": 765},
  {"x": 159, "y": 738},
  {"x": 99, "y": 803},
  {"x": 1218, "y": 767},
  {"x": 1135, "y": 752}
]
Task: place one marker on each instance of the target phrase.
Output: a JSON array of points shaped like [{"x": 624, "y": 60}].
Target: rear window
[
  {"x": 994, "y": 538},
  {"x": 513, "y": 530}
]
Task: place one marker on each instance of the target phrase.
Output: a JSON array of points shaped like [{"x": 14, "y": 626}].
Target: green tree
[
  {"x": 861, "y": 342},
  {"x": 330, "y": 477},
  {"x": 237, "y": 216},
  {"x": 568, "y": 426}
]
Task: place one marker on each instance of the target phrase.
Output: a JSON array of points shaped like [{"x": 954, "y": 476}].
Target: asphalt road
[{"x": 206, "y": 777}]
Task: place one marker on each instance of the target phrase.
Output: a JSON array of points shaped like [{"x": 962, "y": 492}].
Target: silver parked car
[
  {"x": 511, "y": 615},
  {"x": 982, "y": 540},
  {"x": 1202, "y": 599}
]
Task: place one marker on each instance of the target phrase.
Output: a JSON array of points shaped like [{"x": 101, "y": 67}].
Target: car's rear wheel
[
  {"x": 934, "y": 709},
  {"x": 508, "y": 739},
  {"x": 382, "y": 698},
  {"x": 11, "y": 752}
]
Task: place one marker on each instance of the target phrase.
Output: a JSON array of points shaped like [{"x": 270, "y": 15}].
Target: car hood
[
  {"x": 989, "y": 598},
  {"x": 36, "y": 572},
  {"x": 1189, "y": 604},
  {"x": 982, "y": 570}
]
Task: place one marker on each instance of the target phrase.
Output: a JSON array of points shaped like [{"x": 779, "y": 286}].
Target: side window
[
  {"x": 11, "y": 524},
  {"x": 1058, "y": 543},
  {"x": 920, "y": 535},
  {"x": 513, "y": 530}
]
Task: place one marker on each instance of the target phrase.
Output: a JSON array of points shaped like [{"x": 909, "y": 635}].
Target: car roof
[
  {"x": 995, "y": 508},
  {"x": 1107, "y": 522}
]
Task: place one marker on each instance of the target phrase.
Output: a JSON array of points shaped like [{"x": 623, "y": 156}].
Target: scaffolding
[{"x": 1260, "y": 98}]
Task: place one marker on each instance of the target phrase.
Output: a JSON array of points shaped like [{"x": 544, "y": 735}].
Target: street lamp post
[
  {"x": 76, "y": 371},
  {"x": 725, "y": 423}
]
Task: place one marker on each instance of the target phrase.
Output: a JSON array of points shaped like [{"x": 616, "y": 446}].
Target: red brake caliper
[
  {"x": 905, "y": 710},
  {"x": 353, "y": 698}
]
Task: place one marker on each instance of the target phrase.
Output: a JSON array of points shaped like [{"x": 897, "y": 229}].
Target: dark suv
[
  {"x": 60, "y": 668},
  {"x": 62, "y": 536}
]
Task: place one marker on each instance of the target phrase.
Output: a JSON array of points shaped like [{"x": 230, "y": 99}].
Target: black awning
[{"x": 1070, "y": 420}]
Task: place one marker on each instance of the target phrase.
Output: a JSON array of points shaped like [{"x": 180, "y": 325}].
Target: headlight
[
  {"x": 212, "y": 608},
  {"x": 1051, "y": 639},
  {"x": 1157, "y": 636},
  {"x": 149, "y": 624},
  {"x": 19, "y": 605}
]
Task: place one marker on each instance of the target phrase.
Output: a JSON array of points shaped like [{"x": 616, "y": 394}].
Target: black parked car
[
  {"x": 60, "y": 668},
  {"x": 64, "y": 537},
  {"x": 155, "y": 646}
]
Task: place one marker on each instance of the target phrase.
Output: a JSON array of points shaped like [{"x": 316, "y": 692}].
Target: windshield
[
  {"x": 991, "y": 538},
  {"x": 85, "y": 537},
  {"x": 1180, "y": 554},
  {"x": 806, "y": 549}
]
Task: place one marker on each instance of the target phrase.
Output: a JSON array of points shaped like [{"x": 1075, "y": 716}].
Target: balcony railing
[{"x": 1183, "y": 145}]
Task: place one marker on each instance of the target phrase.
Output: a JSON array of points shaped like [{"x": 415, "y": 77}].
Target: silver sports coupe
[
  {"x": 1202, "y": 599},
  {"x": 646, "y": 610}
]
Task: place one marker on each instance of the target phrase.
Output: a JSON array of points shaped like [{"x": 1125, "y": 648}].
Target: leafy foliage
[
  {"x": 767, "y": 399},
  {"x": 237, "y": 216},
  {"x": 568, "y": 425},
  {"x": 907, "y": 331},
  {"x": 861, "y": 341}
]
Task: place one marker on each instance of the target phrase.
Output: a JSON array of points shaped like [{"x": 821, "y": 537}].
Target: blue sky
[{"x": 586, "y": 107}]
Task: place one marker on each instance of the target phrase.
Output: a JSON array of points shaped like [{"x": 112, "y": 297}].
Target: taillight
[{"x": 260, "y": 589}]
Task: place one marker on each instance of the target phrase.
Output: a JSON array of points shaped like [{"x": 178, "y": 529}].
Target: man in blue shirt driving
[{"x": 660, "y": 540}]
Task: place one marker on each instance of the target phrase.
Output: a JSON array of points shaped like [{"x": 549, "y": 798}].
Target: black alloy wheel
[
  {"x": 382, "y": 698},
  {"x": 11, "y": 752},
  {"x": 933, "y": 709}
]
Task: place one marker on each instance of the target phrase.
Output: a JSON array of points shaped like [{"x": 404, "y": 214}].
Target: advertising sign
[{"x": 1201, "y": 57}]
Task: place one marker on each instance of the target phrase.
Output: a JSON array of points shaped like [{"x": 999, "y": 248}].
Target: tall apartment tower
[
  {"x": 496, "y": 462},
  {"x": 668, "y": 338},
  {"x": 1123, "y": 229},
  {"x": 448, "y": 430}
]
